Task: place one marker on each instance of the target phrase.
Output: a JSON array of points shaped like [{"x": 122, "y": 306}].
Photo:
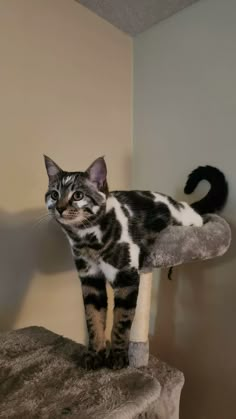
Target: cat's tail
[{"x": 216, "y": 198}]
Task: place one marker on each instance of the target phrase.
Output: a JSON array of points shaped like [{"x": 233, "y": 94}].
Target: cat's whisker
[
  {"x": 45, "y": 215},
  {"x": 43, "y": 219}
]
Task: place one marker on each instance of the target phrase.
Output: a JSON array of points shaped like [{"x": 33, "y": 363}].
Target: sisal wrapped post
[{"x": 139, "y": 346}]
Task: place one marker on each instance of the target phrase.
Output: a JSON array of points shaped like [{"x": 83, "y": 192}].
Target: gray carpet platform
[
  {"x": 39, "y": 379},
  {"x": 176, "y": 245}
]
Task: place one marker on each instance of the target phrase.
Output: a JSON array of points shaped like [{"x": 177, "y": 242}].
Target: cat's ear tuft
[
  {"x": 97, "y": 172},
  {"x": 52, "y": 168}
]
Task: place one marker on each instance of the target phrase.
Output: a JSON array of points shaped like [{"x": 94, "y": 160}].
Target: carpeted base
[{"x": 38, "y": 379}]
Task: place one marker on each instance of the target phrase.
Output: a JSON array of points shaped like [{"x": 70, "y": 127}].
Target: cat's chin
[
  {"x": 69, "y": 221},
  {"x": 66, "y": 220}
]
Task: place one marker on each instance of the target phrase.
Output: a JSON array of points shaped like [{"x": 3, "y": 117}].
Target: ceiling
[{"x": 135, "y": 16}]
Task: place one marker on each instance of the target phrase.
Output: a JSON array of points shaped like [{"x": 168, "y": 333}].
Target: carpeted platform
[{"x": 38, "y": 379}]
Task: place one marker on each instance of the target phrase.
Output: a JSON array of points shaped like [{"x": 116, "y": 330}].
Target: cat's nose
[{"x": 60, "y": 210}]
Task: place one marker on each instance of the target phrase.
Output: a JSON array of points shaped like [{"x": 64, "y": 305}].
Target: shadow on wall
[
  {"x": 29, "y": 243},
  {"x": 195, "y": 332}
]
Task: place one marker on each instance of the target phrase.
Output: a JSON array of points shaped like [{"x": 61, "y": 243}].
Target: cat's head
[{"x": 76, "y": 197}]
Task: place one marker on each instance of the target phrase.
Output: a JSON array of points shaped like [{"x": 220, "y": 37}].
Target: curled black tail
[{"x": 216, "y": 198}]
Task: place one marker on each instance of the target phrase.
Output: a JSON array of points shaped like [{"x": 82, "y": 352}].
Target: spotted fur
[{"x": 109, "y": 235}]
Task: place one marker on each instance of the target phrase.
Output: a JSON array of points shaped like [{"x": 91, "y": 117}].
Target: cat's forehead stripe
[{"x": 67, "y": 179}]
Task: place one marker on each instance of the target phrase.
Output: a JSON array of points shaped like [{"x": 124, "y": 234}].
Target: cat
[{"x": 110, "y": 233}]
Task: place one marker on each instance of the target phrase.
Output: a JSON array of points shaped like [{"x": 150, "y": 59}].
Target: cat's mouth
[
  {"x": 66, "y": 217},
  {"x": 70, "y": 218}
]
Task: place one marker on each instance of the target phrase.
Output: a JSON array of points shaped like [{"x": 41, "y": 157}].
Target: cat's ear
[
  {"x": 52, "y": 168},
  {"x": 97, "y": 172}
]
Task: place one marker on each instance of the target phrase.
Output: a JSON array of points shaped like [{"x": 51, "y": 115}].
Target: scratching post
[
  {"x": 173, "y": 246},
  {"x": 139, "y": 346}
]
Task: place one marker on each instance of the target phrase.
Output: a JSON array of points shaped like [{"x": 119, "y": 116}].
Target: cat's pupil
[
  {"x": 54, "y": 195},
  {"x": 77, "y": 196}
]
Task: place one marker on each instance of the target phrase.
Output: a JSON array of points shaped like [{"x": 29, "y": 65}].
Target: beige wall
[
  {"x": 185, "y": 115},
  {"x": 65, "y": 90}
]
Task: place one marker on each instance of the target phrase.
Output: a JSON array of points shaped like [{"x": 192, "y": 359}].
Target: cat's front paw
[
  {"x": 92, "y": 360},
  {"x": 117, "y": 359}
]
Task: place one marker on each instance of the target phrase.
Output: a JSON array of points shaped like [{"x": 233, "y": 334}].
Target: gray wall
[{"x": 184, "y": 116}]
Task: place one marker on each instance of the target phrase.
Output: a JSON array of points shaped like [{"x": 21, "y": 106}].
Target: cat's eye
[
  {"x": 54, "y": 195},
  {"x": 77, "y": 196}
]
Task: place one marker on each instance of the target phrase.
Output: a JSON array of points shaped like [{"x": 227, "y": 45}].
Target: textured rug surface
[{"x": 38, "y": 379}]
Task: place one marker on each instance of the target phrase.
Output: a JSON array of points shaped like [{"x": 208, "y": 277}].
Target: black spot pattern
[
  {"x": 98, "y": 301},
  {"x": 117, "y": 255},
  {"x": 93, "y": 281},
  {"x": 128, "y": 302},
  {"x": 80, "y": 264},
  {"x": 126, "y": 278},
  {"x": 157, "y": 220},
  {"x": 110, "y": 227}
]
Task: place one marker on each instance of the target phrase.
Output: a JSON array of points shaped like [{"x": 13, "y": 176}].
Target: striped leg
[
  {"x": 95, "y": 304},
  {"x": 126, "y": 286}
]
